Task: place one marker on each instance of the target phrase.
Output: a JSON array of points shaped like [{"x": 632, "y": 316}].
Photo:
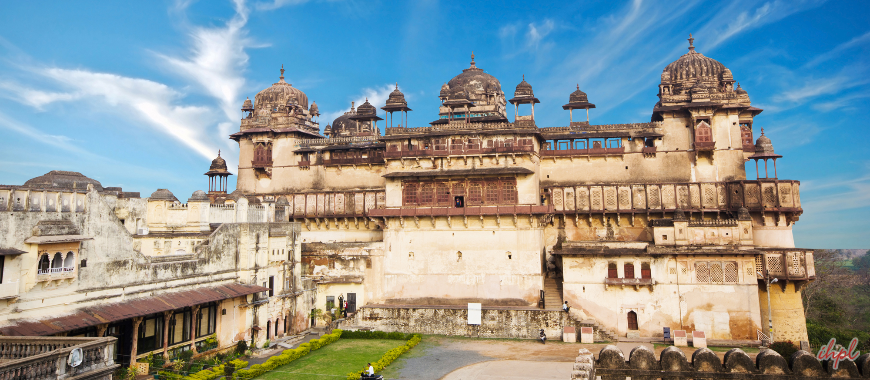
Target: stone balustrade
[
  {"x": 50, "y": 358},
  {"x": 705, "y": 364}
]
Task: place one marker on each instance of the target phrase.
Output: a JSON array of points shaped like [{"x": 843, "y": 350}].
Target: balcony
[
  {"x": 36, "y": 357},
  {"x": 354, "y": 161},
  {"x": 795, "y": 265},
  {"x": 583, "y": 152},
  {"x": 462, "y": 211},
  {"x": 58, "y": 273},
  {"x": 622, "y": 282},
  {"x": 458, "y": 151},
  {"x": 262, "y": 163},
  {"x": 9, "y": 290}
]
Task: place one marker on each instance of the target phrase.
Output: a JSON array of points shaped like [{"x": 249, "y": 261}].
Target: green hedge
[
  {"x": 389, "y": 356},
  {"x": 207, "y": 374},
  {"x": 287, "y": 356},
  {"x": 375, "y": 335}
]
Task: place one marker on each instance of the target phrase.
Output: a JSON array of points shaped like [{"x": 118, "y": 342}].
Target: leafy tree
[{"x": 862, "y": 263}]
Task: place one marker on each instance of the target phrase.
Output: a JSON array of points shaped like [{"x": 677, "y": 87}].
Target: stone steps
[{"x": 552, "y": 293}]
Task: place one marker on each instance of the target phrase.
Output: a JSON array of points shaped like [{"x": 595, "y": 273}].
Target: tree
[
  {"x": 831, "y": 278},
  {"x": 862, "y": 263}
]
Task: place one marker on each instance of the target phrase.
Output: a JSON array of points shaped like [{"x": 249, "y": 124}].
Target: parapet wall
[
  {"x": 673, "y": 364},
  {"x": 445, "y": 320}
]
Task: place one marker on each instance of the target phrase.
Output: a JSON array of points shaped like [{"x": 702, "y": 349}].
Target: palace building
[{"x": 677, "y": 222}]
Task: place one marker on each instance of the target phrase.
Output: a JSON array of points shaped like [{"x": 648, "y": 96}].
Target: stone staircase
[
  {"x": 552, "y": 293},
  {"x": 601, "y": 333}
]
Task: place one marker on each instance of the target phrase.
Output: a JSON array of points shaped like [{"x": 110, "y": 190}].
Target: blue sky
[{"x": 143, "y": 94}]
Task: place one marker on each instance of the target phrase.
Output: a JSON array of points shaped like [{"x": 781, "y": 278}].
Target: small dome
[
  {"x": 282, "y": 201},
  {"x": 344, "y": 125},
  {"x": 763, "y": 145},
  {"x": 62, "y": 179},
  {"x": 314, "y": 110},
  {"x": 247, "y": 105},
  {"x": 397, "y": 97},
  {"x": 218, "y": 164},
  {"x": 578, "y": 96},
  {"x": 475, "y": 80},
  {"x": 198, "y": 195},
  {"x": 162, "y": 195},
  {"x": 524, "y": 89},
  {"x": 445, "y": 90},
  {"x": 366, "y": 109},
  {"x": 743, "y": 214},
  {"x": 739, "y": 90}
]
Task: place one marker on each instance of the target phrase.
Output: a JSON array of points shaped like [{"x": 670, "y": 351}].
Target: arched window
[
  {"x": 70, "y": 262},
  {"x": 746, "y": 136},
  {"x": 263, "y": 154},
  {"x": 57, "y": 261},
  {"x": 629, "y": 270},
  {"x": 44, "y": 264},
  {"x": 268, "y": 329},
  {"x": 703, "y": 136},
  {"x": 611, "y": 271},
  {"x": 632, "y": 320},
  {"x": 645, "y": 271}
]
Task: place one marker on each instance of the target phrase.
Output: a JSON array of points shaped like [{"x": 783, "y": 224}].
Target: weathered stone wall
[
  {"x": 705, "y": 364},
  {"x": 788, "y": 312},
  {"x": 495, "y": 323}
]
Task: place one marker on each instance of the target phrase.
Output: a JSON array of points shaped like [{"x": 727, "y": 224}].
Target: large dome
[
  {"x": 474, "y": 81},
  {"x": 279, "y": 94},
  {"x": 695, "y": 71},
  {"x": 61, "y": 179},
  {"x": 344, "y": 126}
]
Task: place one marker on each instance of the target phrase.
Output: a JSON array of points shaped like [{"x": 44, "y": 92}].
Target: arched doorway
[
  {"x": 268, "y": 330},
  {"x": 632, "y": 320}
]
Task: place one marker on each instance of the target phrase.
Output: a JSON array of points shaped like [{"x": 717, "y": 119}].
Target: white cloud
[
  {"x": 839, "y": 103},
  {"x": 835, "y": 52},
  {"x": 275, "y": 4},
  {"x": 767, "y": 13},
  {"x": 377, "y": 96},
  {"x": 34, "y": 98},
  {"x": 536, "y": 33}
]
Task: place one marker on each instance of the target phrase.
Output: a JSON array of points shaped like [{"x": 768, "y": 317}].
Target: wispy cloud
[
  {"x": 32, "y": 97},
  {"x": 533, "y": 39},
  {"x": 767, "y": 13},
  {"x": 377, "y": 96},
  {"x": 840, "y": 49},
  {"x": 840, "y": 102}
]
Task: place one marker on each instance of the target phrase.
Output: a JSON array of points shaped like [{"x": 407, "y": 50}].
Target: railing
[
  {"x": 457, "y": 126},
  {"x": 629, "y": 281},
  {"x": 649, "y": 150},
  {"x": 604, "y": 127},
  {"x": 463, "y": 211},
  {"x": 49, "y": 357},
  {"x": 304, "y": 143},
  {"x": 760, "y": 196},
  {"x": 786, "y": 265},
  {"x": 353, "y": 161},
  {"x": 9, "y": 290},
  {"x": 453, "y": 151},
  {"x": 582, "y": 152},
  {"x": 54, "y": 270},
  {"x": 262, "y": 163}
]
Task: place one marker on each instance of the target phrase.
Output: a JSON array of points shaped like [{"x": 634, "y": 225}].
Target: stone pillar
[
  {"x": 167, "y": 315},
  {"x": 584, "y": 366},
  {"x": 193, "y": 317},
  {"x": 134, "y": 348},
  {"x": 101, "y": 330}
]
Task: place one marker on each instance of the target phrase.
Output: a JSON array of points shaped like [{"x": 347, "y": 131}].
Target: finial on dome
[
  {"x": 397, "y": 85},
  {"x": 472, "y": 59},
  {"x": 578, "y": 86},
  {"x": 219, "y": 152},
  {"x": 282, "y": 72},
  {"x": 691, "y": 42},
  {"x": 762, "y": 131}
]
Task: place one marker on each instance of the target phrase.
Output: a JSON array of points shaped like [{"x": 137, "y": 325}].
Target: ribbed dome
[
  {"x": 694, "y": 65},
  {"x": 218, "y": 164},
  {"x": 62, "y": 179},
  {"x": 524, "y": 89},
  {"x": 366, "y": 109},
  {"x": 314, "y": 110},
  {"x": 397, "y": 97},
  {"x": 763, "y": 145},
  {"x": 578, "y": 96},
  {"x": 163, "y": 195},
  {"x": 280, "y": 94},
  {"x": 475, "y": 81}
]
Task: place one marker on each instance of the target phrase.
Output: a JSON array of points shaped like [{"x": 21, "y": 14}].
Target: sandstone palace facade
[{"x": 677, "y": 222}]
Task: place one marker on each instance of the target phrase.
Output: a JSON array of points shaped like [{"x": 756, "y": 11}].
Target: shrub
[
  {"x": 266, "y": 343},
  {"x": 786, "y": 349},
  {"x": 389, "y": 356},
  {"x": 241, "y": 347},
  {"x": 375, "y": 335},
  {"x": 287, "y": 356}
]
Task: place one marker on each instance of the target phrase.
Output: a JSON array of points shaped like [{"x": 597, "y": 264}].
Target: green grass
[{"x": 336, "y": 360}]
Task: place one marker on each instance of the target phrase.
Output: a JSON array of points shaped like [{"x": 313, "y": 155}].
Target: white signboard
[{"x": 473, "y": 313}]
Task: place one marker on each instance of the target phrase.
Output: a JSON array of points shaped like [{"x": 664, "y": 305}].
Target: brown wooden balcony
[
  {"x": 649, "y": 150},
  {"x": 459, "y": 151},
  {"x": 463, "y": 211},
  {"x": 636, "y": 282},
  {"x": 354, "y": 161},
  {"x": 262, "y": 163}
]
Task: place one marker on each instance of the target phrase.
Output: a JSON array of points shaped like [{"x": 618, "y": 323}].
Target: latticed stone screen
[
  {"x": 702, "y": 272},
  {"x": 715, "y": 271},
  {"x": 774, "y": 264},
  {"x": 730, "y": 273}
]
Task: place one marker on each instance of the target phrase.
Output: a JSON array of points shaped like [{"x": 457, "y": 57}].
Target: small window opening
[{"x": 459, "y": 201}]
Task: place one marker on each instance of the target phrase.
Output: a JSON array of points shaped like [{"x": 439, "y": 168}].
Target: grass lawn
[{"x": 336, "y": 360}]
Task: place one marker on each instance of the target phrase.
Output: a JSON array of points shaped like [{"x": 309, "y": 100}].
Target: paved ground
[{"x": 513, "y": 369}]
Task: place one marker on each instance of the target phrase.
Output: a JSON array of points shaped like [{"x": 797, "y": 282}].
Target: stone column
[
  {"x": 584, "y": 366},
  {"x": 193, "y": 315},
  {"x": 167, "y": 315},
  {"x": 134, "y": 348}
]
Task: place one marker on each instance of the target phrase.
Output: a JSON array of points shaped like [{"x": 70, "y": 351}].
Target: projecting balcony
[
  {"x": 797, "y": 265},
  {"x": 37, "y": 358},
  {"x": 354, "y": 161},
  {"x": 262, "y": 163},
  {"x": 459, "y": 151},
  {"x": 583, "y": 152},
  {"x": 58, "y": 273},
  {"x": 636, "y": 282}
]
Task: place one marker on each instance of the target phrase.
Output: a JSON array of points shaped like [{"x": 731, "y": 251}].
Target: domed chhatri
[
  {"x": 524, "y": 94},
  {"x": 472, "y": 95},
  {"x": 218, "y": 164},
  {"x": 396, "y": 102},
  {"x": 578, "y": 100},
  {"x": 217, "y": 176},
  {"x": 697, "y": 78},
  {"x": 764, "y": 151}
]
